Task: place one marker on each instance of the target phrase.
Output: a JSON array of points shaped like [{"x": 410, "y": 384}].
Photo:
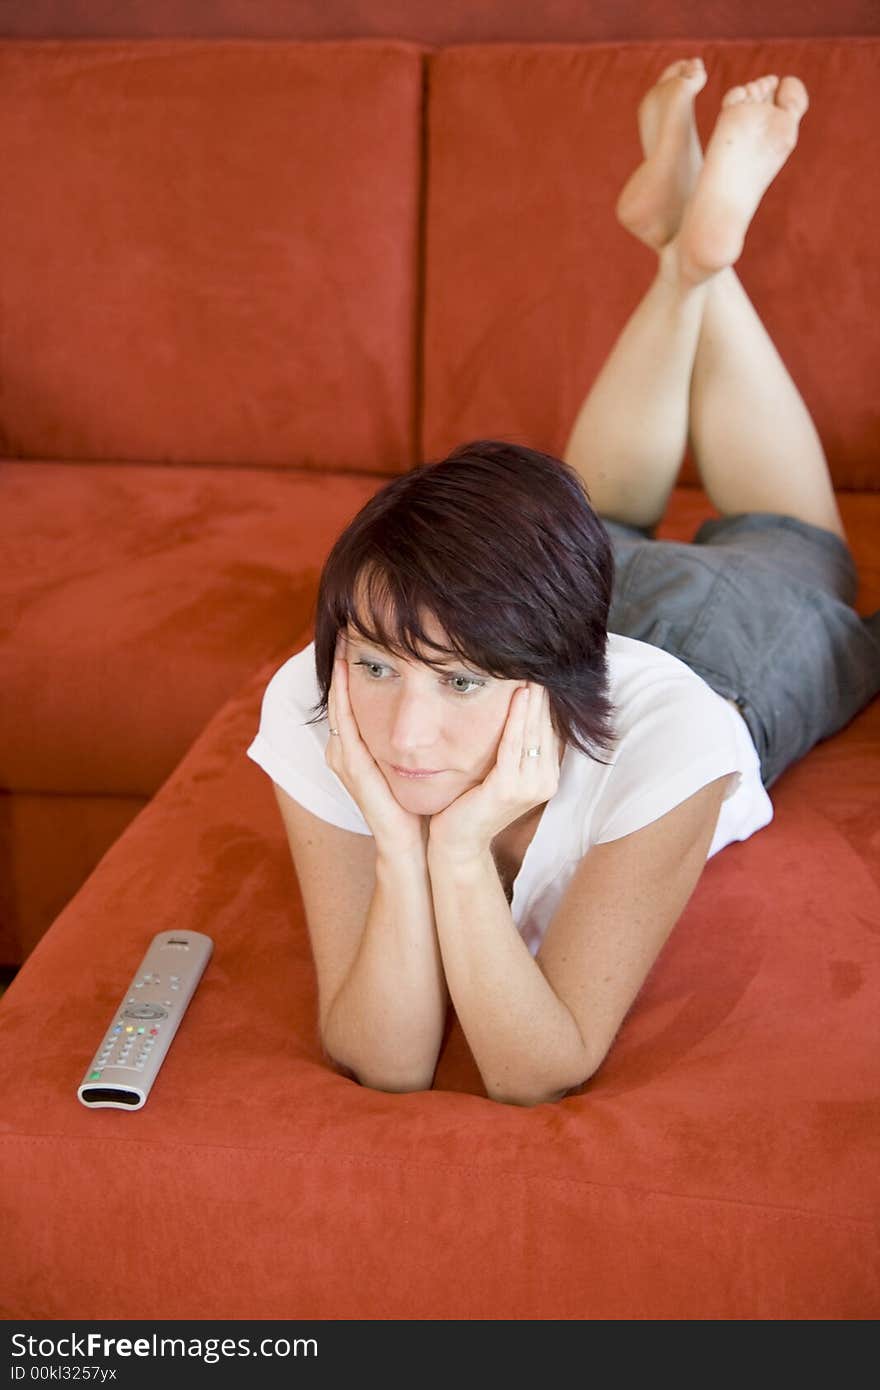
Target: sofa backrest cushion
[
  {"x": 209, "y": 251},
  {"x": 530, "y": 278}
]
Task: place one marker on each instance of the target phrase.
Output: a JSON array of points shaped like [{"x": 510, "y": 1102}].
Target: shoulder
[
  {"x": 638, "y": 672},
  {"x": 656, "y": 697},
  {"x": 292, "y": 690},
  {"x": 675, "y": 734}
]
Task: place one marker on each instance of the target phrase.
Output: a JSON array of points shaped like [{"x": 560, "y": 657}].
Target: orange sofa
[{"x": 242, "y": 284}]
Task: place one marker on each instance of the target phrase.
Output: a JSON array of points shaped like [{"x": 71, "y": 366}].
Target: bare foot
[
  {"x": 756, "y": 131},
  {"x": 653, "y": 199}
]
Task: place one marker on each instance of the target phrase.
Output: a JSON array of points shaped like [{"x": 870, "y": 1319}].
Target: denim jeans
[{"x": 760, "y": 605}]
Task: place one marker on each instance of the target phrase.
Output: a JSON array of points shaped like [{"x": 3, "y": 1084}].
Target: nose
[{"x": 415, "y": 730}]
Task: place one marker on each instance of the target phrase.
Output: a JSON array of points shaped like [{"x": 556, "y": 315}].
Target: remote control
[{"x": 125, "y": 1065}]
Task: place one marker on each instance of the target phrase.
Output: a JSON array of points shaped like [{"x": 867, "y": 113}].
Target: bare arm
[
  {"x": 382, "y": 995},
  {"x": 524, "y": 1040},
  {"x": 539, "y": 1027},
  {"x": 386, "y": 1021}
]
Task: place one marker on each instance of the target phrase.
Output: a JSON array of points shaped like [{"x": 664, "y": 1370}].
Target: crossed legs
[{"x": 694, "y": 360}]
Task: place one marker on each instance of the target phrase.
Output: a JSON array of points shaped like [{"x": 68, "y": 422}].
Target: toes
[
  {"x": 735, "y": 95},
  {"x": 684, "y": 67},
  {"x": 696, "y": 72},
  {"x": 762, "y": 88},
  {"x": 792, "y": 95},
  {"x": 759, "y": 89}
]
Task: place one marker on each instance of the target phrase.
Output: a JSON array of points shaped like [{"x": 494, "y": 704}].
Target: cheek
[
  {"x": 364, "y": 709},
  {"x": 370, "y": 711},
  {"x": 484, "y": 730}
]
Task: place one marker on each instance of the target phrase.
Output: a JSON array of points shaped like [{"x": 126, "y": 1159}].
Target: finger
[
  {"x": 510, "y": 748},
  {"x": 331, "y": 696},
  {"x": 547, "y": 732},
  {"x": 536, "y": 716},
  {"x": 345, "y": 720},
  {"x": 335, "y": 679},
  {"x": 338, "y": 687},
  {"x": 336, "y": 696},
  {"x": 541, "y": 733}
]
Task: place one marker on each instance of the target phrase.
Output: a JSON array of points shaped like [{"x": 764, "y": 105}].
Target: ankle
[{"x": 679, "y": 271}]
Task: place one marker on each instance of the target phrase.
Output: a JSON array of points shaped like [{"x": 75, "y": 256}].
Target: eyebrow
[{"x": 377, "y": 646}]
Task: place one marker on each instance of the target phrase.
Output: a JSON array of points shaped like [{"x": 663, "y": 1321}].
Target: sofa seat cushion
[
  {"x": 136, "y": 599},
  {"x": 212, "y": 254},
  {"x": 722, "y": 1163},
  {"x": 531, "y": 278}
]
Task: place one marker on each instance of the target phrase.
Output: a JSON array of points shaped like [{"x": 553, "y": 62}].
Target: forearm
[
  {"x": 386, "y": 1022},
  {"x": 525, "y": 1041}
]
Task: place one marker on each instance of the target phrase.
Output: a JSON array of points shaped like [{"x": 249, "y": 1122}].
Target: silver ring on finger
[{"x": 532, "y": 752}]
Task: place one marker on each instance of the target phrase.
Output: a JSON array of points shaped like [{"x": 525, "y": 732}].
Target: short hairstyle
[{"x": 500, "y": 543}]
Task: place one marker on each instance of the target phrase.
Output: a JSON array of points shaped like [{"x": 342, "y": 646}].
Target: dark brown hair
[{"x": 500, "y": 544}]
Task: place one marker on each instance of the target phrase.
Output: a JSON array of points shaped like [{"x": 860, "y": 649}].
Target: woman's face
[{"x": 411, "y": 716}]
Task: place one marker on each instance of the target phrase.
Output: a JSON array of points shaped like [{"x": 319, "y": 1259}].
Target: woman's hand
[
  {"x": 516, "y": 783},
  {"x": 394, "y": 828}
]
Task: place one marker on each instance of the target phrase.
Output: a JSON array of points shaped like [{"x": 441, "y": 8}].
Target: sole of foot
[
  {"x": 653, "y": 199},
  {"x": 756, "y": 131}
]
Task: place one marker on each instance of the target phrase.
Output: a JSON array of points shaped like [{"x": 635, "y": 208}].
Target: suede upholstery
[{"x": 212, "y": 356}]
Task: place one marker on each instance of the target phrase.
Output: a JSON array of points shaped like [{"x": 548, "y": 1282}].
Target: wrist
[
  {"x": 442, "y": 850},
  {"x": 401, "y": 855}
]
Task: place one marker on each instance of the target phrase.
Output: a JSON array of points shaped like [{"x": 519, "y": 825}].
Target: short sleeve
[
  {"x": 292, "y": 751},
  {"x": 679, "y": 739}
]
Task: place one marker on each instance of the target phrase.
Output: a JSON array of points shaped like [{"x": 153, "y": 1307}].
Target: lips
[{"x": 414, "y": 772}]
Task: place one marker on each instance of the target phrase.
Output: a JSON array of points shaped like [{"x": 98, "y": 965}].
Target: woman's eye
[{"x": 470, "y": 681}]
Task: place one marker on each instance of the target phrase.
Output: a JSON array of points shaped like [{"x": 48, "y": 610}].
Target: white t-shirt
[{"x": 675, "y": 734}]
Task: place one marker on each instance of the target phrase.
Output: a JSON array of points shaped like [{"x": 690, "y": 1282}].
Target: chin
[
  {"x": 421, "y": 793},
  {"x": 427, "y": 798}
]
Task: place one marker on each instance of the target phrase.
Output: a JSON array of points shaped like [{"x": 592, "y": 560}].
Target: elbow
[
  {"x": 395, "y": 1084},
  {"x": 391, "y": 1085},
  {"x": 542, "y": 1095},
  {"x": 544, "y": 1098}
]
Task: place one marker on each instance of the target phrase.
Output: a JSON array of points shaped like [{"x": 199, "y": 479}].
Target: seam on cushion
[
  {"x": 813, "y": 40},
  {"x": 361, "y": 1160},
  {"x": 421, "y": 259}
]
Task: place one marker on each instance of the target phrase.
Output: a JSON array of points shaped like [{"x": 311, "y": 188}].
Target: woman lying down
[{"x": 524, "y": 723}]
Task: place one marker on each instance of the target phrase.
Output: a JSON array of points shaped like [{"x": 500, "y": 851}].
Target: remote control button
[{"x": 144, "y": 1011}]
